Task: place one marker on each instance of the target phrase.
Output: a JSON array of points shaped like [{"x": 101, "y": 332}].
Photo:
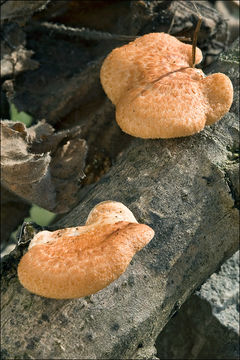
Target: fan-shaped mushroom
[
  {"x": 156, "y": 91},
  {"x": 80, "y": 261}
]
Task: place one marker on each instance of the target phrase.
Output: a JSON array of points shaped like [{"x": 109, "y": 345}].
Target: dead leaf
[{"x": 38, "y": 164}]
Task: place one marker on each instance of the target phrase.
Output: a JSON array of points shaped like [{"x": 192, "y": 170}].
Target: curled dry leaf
[
  {"x": 41, "y": 166},
  {"x": 77, "y": 262},
  {"x": 156, "y": 91}
]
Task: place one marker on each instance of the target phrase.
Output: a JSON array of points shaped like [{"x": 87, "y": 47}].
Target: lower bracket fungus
[
  {"x": 79, "y": 261},
  {"x": 158, "y": 92}
]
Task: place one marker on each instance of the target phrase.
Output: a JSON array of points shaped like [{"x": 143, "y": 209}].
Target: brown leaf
[{"x": 39, "y": 164}]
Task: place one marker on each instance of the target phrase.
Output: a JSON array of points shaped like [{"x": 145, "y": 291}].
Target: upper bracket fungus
[
  {"x": 79, "y": 261},
  {"x": 158, "y": 92}
]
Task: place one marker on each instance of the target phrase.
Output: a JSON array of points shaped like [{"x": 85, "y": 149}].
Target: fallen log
[
  {"x": 186, "y": 190},
  {"x": 51, "y": 64}
]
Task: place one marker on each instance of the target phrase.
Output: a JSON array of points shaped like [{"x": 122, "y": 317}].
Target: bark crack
[{"x": 233, "y": 190}]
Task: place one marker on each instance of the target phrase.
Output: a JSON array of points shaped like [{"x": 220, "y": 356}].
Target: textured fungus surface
[
  {"x": 79, "y": 261},
  {"x": 186, "y": 189},
  {"x": 156, "y": 92}
]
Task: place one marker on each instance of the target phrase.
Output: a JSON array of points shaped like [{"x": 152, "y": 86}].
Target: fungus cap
[
  {"x": 76, "y": 262},
  {"x": 156, "y": 91}
]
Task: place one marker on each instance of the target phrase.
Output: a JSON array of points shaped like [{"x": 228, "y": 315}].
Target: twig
[
  {"x": 172, "y": 22},
  {"x": 84, "y": 33},
  {"x": 195, "y": 35}
]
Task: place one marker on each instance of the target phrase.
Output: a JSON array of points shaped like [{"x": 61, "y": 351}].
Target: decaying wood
[
  {"x": 184, "y": 190},
  {"x": 42, "y": 166},
  {"x": 62, "y": 82},
  {"x": 67, "y": 77}
]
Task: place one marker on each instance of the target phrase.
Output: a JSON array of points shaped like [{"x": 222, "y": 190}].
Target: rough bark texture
[
  {"x": 184, "y": 190},
  {"x": 207, "y": 325},
  {"x": 51, "y": 70}
]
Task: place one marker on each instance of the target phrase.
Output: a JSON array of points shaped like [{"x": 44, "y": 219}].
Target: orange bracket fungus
[
  {"x": 79, "y": 261},
  {"x": 158, "y": 92}
]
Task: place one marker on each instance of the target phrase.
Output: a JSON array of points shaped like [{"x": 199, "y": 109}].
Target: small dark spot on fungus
[{"x": 140, "y": 345}]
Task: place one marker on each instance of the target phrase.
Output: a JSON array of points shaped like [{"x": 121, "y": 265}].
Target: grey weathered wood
[
  {"x": 20, "y": 10},
  {"x": 54, "y": 74},
  {"x": 207, "y": 325},
  {"x": 185, "y": 189}
]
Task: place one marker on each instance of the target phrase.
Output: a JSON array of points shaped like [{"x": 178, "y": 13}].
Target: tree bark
[
  {"x": 50, "y": 69},
  {"x": 186, "y": 190}
]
